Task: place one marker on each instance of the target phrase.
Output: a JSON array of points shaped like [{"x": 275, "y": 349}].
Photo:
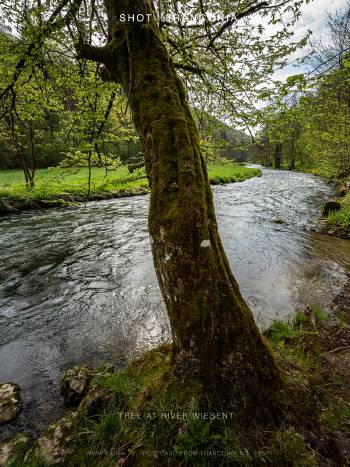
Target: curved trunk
[{"x": 215, "y": 339}]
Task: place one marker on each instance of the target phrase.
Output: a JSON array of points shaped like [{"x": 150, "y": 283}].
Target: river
[{"x": 77, "y": 284}]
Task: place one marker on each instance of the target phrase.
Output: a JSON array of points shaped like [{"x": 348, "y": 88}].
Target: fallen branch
[{"x": 338, "y": 349}]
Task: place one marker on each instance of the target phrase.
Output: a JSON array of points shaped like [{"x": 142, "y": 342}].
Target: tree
[
  {"x": 91, "y": 125},
  {"x": 215, "y": 339},
  {"x": 60, "y": 111},
  {"x": 309, "y": 114}
]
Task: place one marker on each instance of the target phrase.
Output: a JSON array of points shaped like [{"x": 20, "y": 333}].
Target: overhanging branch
[
  {"x": 190, "y": 68},
  {"x": 51, "y": 25},
  {"x": 91, "y": 52}
]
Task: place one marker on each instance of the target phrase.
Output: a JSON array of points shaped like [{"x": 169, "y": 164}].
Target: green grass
[
  {"x": 341, "y": 219},
  {"x": 58, "y": 176},
  {"x": 153, "y": 390},
  {"x": 51, "y": 182},
  {"x": 288, "y": 338},
  {"x": 230, "y": 173},
  {"x": 53, "y": 185},
  {"x": 147, "y": 386}
]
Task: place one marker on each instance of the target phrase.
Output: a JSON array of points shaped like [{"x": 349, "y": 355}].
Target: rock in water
[
  {"x": 10, "y": 402},
  {"x": 10, "y": 447},
  {"x": 331, "y": 206},
  {"x": 278, "y": 221}
]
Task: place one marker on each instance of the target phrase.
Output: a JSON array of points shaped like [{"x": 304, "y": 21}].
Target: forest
[{"x": 174, "y": 233}]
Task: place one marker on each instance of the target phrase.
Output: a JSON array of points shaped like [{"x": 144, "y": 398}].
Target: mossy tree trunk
[
  {"x": 215, "y": 339},
  {"x": 278, "y": 155}
]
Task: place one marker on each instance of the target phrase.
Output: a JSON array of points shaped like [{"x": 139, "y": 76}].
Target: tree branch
[
  {"x": 50, "y": 26},
  {"x": 91, "y": 52},
  {"x": 253, "y": 9},
  {"x": 190, "y": 68}
]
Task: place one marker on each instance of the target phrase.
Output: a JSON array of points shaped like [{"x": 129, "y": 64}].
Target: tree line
[
  {"x": 306, "y": 123},
  {"x": 62, "y": 113}
]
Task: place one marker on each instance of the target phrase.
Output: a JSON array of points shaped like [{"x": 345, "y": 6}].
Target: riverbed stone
[
  {"x": 10, "y": 402},
  {"x": 77, "y": 381},
  {"x": 278, "y": 221},
  {"x": 331, "y": 206},
  {"x": 57, "y": 443},
  {"x": 75, "y": 384},
  {"x": 10, "y": 447}
]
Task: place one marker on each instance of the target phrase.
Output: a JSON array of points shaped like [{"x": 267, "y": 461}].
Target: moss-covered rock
[
  {"x": 76, "y": 381},
  {"x": 75, "y": 384},
  {"x": 57, "y": 443},
  {"x": 10, "y": 402},
  {"x": 278, "y": 221},
  {"x": 9, "y": 447},
  {"x": 96, "y": 401},
  {"x": 68, "y": 197}
]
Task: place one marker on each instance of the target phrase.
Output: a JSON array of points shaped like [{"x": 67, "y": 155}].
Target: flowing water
[{"x": 78, "y": 285}]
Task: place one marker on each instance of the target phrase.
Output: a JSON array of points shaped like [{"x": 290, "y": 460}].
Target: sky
[{"x": 314, "y": 17}]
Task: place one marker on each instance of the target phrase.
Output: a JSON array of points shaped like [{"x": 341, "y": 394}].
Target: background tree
[
  {"x": 310, "y": 112},
  {"x": 58, "y": 109}
]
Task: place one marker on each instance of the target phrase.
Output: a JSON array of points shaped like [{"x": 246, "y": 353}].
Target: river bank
[
  {"x": 142, "y": 416},
  {"x": 336, "y": 211},
  {"x": 59, "y": 188}
]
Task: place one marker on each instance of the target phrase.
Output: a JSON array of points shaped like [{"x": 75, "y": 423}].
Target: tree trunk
[
  {"x": 27, "y": 163},
  {"x": 215, "y": 339},
  {"x": 32, "y": 157},
  {"x": 278, "y": 155}
]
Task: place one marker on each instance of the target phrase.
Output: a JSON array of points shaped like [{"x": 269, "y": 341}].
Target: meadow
[{"x": 58, "y": 186}]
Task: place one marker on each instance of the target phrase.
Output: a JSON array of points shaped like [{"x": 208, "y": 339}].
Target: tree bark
[{"x": 215, "y": 339}]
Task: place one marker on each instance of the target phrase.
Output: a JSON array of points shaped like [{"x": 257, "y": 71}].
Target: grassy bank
[
  {"x": 57, "y": 187},
  {"x": 153, "y": 420},
  {"x": 339, "y": 221},
  {"x": 327, "y": 172}
]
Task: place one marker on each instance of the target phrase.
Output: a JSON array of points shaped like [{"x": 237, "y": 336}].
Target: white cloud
[{"x": 314, "y": 17}]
